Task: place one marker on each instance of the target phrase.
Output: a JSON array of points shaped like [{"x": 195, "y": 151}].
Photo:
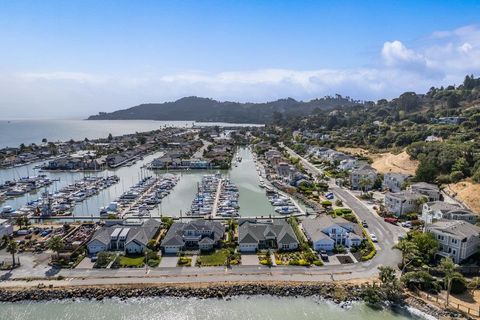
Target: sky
[{"x": 70, "y": 59}]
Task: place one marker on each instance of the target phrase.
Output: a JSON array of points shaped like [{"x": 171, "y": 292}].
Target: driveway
[
  {"x": 250, "y": 259},
  {"x": 168, "y": 261},
  {"x": 86, "y": 263}
]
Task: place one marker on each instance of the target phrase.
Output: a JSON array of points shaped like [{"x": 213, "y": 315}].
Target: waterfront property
[
  {"x": 277, "y": 234},
  {"x": 326, "y": 232},
  {"x": 129, "y": 238},
  {"x": 195, "y": 235},
  {"x": 457, "y": 239}
]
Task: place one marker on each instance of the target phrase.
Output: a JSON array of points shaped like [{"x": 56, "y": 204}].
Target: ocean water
[
  {"x": 238, "y": 308},
  {"x": 15, "y": 132}
]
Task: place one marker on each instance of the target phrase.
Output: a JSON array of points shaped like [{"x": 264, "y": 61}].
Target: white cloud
[
  {"x": 444, "y": 58},
  {"x": 396, "y": 54}
]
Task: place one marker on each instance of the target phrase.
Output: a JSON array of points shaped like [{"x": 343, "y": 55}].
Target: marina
[
  {"x": 16, "y": 188},
  {"x": 217, "y": 196},
  {"x": 64, "y": 200},
  {"x": 141, "y": 198},
  {"x": 239, "y": 194}
]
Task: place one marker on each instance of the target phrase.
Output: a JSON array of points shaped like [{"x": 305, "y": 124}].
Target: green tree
[
  {"x": 408, "y": 249},
  {"x": 448, "y": 268},
  {"x": 426, "y": 244},
  {"x": 56, "y": 244},
  {"x": 12, "y": 248}
]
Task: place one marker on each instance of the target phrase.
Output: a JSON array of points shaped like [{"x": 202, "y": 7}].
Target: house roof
[
  {"x": 457, "y": 228},
  {"x": 139, "y": 233},
  {"x": 174, "y": 236},
  {"x": 442, "y": 206},
  {"x": 254, "y": 232},
  {"x": 314, "y": 228}
]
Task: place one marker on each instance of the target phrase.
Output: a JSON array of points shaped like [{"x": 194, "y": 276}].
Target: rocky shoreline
[{"x": 341, "y": 294}]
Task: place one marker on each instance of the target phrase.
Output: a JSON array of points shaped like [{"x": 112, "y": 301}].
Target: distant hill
[{"x": 209, "y": 110}]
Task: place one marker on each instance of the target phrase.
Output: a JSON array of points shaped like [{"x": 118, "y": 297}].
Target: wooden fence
[{"x": 472, "y": 311}]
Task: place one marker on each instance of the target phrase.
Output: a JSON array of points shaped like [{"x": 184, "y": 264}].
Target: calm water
[
  {"x": 15, "y": 132},
  {"x": 239, "y": 308}
]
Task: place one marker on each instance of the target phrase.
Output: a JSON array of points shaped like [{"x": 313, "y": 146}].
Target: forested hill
[{"x": 209, "y": 110}]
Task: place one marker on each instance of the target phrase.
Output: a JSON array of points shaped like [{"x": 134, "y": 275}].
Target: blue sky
[{"x": 74, "y": 58}]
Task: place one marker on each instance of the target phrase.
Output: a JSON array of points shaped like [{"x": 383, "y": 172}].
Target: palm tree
[
  {"x": 12, "y": 248},
  {"x": 448, "y": 268},
  {"x": 364, "y": 184},
  {"x": 408, "y": 249},
  {"x": 56, "y": 244}
]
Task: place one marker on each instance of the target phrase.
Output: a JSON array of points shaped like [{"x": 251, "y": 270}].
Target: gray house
[
  {"x": 129, "y": 238},
  {"x": 363, "y": 177},
  {"x": 403, "y": 202},
  {"x": 278, "y": 234},
  {"x": 431, "y": 191},
  {"x": 394, "y": 181},
  {"x": 458, "y": 239},
  {"x": 196, "y": 234}
]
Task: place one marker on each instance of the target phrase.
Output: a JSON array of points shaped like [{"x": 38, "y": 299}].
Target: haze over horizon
[{"x": 76, "y": 58}]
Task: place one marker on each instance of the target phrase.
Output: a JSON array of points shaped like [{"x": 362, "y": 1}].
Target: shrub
[{"x": 459, "y": 285}]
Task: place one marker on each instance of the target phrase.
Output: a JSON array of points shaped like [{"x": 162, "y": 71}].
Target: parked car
[
  {"x": 391, "y": 220},
  {"x": 373, "y": 237},
  {"x": 324, "y": 255},
  {"x": 407, "y": 224},
  {"x": 93, "y": 259},
  {"x": 364, "y": 224}
]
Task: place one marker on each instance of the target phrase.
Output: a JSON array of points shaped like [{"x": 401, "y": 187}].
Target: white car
[{"x": 373, "y": 237}]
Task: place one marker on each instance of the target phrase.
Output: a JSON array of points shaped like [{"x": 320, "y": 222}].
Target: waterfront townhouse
[
  {"x": 363, "y": 177},
  {"x": 394, "y": 181},
  {"x": 326, "y": 232},
  {"x": 403, "y": 202},
  {"x": 195, "y": 235},
  {"x": 439, "y": 210},
  {"x": 126, "y": 237},
  {"x": 277, "y": 234},
  {"x": 431, "y": 191},
  {"x": 457, "y": 239}
]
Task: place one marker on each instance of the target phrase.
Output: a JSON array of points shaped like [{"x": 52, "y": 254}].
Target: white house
[
  {"x": 439, "y": 210},
  {"x": 394, "y": 181},
  {"x": 129, "y": 238},
  {"x": 326, "y": 232}
]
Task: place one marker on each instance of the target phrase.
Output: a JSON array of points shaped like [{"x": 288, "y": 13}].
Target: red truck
[{"x": 391, "y": 220}]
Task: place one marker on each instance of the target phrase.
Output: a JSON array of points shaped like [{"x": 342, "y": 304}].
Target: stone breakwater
[{"x": 336, "y": 293}]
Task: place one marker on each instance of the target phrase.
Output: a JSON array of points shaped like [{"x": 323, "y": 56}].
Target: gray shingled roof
[
  {"x": 174, "y": 236},
  {"x": 139, "y": 233},
  {"x": 253, "y": 232},
  {"x": 457, "y": 228}
]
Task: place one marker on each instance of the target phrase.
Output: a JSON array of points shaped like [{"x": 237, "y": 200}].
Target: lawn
[
  {"x": 131, "y": 261},
  {"x": 217, "y": 258}
]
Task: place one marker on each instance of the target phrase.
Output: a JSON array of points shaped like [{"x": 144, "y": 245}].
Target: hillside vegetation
[{"x": 209, "y": 110}]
